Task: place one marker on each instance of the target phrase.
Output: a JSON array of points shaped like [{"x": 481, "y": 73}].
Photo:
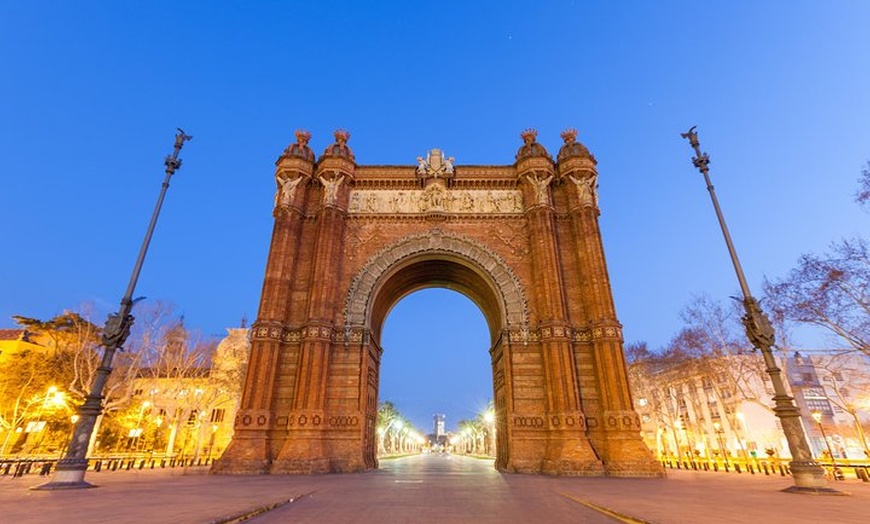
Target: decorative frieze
[
  {"x": 524, "y": 336},
  {"x": 435, "y": 198}
]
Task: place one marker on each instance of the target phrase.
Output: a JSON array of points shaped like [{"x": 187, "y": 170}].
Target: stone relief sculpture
[
  {"x": 540, "y": 186},
  {"x": 330, "y": 189},
  {"x": 286, "y": 191},
  {"x": 587, "y": 194},
  {"x": 435, "y": 198}
]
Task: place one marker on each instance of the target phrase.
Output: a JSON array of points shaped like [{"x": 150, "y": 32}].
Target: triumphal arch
[{"x": 520, "y": 240}]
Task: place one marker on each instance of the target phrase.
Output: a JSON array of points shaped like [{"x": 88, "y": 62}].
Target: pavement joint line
[
  {"x": 249, "y": 514},
  {"x": 627, "y": 519}
]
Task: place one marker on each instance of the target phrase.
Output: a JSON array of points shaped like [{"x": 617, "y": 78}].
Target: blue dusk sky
[{"x": 91, "y": 94}]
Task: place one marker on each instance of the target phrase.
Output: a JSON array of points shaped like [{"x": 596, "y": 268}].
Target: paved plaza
[{"x": 426, "y": 489}]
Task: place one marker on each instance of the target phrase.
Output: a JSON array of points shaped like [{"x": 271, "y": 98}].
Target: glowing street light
[
  {"x": 817, "y": 416},
  {"x": 719, "y": 431}
]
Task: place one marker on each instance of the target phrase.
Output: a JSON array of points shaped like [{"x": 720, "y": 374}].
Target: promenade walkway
[{"x": 427, "y": 489}]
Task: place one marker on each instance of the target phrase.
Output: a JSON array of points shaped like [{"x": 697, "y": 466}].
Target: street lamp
[
  {"x": 137, "y": 431},
  {"x": 214, "y": 428},
  {"x": 719, "y": 431},
  {"x": 808, "y": 475},
  {"x": 53, "y": 400},
  {"x": 70, "y": 471},
  {"x": 743, "y": 435},
  {"x": 489, "y": 418},
  {"x": 817, "y": 416},
  {"x": 678, "y": 426},
  {"x": 158, "y": 422}
]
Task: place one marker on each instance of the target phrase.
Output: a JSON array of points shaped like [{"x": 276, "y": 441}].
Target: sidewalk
[{"x": 155, "y": 496}]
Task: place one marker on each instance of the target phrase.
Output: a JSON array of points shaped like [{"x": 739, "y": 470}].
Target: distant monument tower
[{"x": 438, "y": 419}]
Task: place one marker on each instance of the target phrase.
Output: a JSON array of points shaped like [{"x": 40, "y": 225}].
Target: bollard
[
  {"x": 7, "y": 468},
  {"x": 861, "y": 473},
  {"x": 98, "y": 466},
  {"x": 716, "y": 467},
  {"x": 766, "y": 471},
  {"x": 737, "y": 468},
  {"x": 141, "y": 464},
  {"x": 751, "y": 468}
]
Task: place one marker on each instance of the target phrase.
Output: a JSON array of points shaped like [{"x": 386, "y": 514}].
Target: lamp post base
[
  {"x": 809, "y": 479},
  {"x": 66, "y": 477},
  {"x": 814, "y": 491}
]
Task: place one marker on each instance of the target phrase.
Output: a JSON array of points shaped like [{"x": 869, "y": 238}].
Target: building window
[
  {"x": 217, "y": 415},
  {"x": 820, "y": 405},
  {"x": 814, "y": 393}
]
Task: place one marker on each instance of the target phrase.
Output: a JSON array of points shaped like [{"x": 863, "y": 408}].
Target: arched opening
[
  {"x": 435, "y": 270},
  {"x": 435, "y": 361},
  {"x": 450, "y": 339}
]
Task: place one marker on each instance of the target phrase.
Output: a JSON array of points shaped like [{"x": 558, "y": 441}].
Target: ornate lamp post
[
  {"x": 808, "y": 475},
  {"x": 70, "y": 472}
]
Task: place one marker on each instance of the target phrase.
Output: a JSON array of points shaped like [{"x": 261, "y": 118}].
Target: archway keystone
[{"x": 521, "y": 241}]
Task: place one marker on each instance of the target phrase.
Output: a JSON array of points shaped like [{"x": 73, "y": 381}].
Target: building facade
[{"x": 722, "y": 407}]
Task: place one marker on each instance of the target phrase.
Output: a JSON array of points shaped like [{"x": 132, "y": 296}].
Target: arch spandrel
[{"x": 511, "y": 298}]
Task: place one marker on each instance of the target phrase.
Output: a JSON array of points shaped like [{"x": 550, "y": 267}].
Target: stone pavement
[{"x": 427, "y": 488}]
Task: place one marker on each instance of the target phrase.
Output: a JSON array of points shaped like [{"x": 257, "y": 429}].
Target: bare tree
[
  {"x": 174, "y": 378},
  {"x": 862, "y": 196},
  {"x": 846, "y": 386},
  {"x": 699, "y": 378},
  {"x": 831, "y": 291},
  {"x": 25, "y": 378},
  {"x": 75, "y": 352}
]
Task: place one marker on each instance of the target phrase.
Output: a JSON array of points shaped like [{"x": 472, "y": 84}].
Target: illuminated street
[{"x": 426, "y": 488}]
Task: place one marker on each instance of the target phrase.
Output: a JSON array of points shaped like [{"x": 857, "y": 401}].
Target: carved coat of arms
[{"x": 435, "y": 165}]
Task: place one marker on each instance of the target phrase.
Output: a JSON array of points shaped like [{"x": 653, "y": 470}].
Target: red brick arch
[{"x": 521, "y": 241}]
